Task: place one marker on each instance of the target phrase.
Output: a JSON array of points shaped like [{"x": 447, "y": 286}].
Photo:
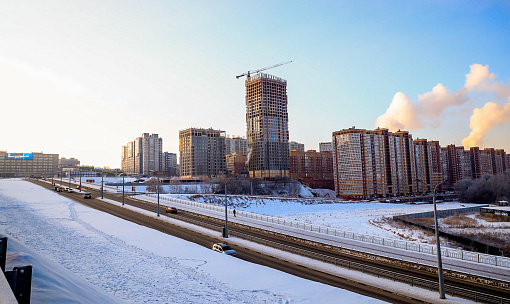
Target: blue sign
[{"x": 20, "y": 155}]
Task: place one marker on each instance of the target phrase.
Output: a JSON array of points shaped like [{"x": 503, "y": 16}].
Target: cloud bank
[{"x": 403, "y": 113}]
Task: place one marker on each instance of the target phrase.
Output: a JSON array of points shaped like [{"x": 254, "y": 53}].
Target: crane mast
[{"x": 247, "y": 74}]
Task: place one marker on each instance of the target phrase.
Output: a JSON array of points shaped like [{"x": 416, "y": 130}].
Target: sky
[{"x": 83, "y": 78}]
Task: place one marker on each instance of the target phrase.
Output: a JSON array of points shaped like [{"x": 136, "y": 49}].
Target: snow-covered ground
[
  {"x": 81, "y": 255},
  {"x": 360, "y": 217}
]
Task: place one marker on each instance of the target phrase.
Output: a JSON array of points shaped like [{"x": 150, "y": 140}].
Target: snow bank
[{"x": 135, "y": 263}]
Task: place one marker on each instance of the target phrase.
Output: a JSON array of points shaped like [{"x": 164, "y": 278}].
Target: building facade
[
  {"x": 267, "y": 126},
  {"x": 143, "y": 155},
  {"x": 170, "y": 167},
  {"x": 236, "y": 144},
  {"x": 236, "y": 164},
  {"x": 371, "y": 164},
  {"x": 202, "y": 152},
  {"x": 69, "y": 163},
  {"x": 28, "y": 164},
  {"x": 312, "y": 167},
  {"x": 294, "y": 145},
  {"x": 326, "y": 147}
]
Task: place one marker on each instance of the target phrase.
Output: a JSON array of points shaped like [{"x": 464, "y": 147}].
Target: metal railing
[
  {"x": 387, "y": 242},
  {"x": 432, "y": 285}
]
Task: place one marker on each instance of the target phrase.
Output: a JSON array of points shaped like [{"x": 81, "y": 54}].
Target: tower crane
[{"x": 247, "y": 74}]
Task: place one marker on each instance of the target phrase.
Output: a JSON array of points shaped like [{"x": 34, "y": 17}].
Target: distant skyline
[{"x": 82, "y": 78}]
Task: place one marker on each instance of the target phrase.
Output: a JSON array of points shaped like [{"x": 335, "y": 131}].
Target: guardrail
[
  {"x": 387, "y": 242},
  {"x": 432, "y": 285}
]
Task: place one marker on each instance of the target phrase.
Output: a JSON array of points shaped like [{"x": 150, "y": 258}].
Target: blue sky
[{"x": 83, "y": 78}]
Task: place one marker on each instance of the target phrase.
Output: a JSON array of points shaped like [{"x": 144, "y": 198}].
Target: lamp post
[
  {"x": 438, "y": 248},
  {"x": 61, "y": 173},
  {"x": 102, "y": 185},
  {"x": 123, "y": 189},
  {"x": 157, "y": 188},
  {"x": 79, "y": 173},
  {"x": 225, "y": 232}
]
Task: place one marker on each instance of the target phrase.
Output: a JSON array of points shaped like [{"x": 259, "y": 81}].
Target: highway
[{"x": 258, "y": 235}]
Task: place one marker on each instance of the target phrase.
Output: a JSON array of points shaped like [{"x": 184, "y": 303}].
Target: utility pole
[
  {"x": 225, "y": 230},
  {"x": 157, "y": 187},
  {"x": 102, "y": 185},
  {"x": 122, "y": 189},
  {"x": 438, "y": 248}
]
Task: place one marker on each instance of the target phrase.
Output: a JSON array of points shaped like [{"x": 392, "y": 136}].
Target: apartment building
[
  {"x": 202, "y": 152},
  {"x": 236, "y": 144},
  {"x": 170, "y": 166},
  {"x": 267, "y": 126},
  {"x": 294, "y": 145},
  {"x": 374, "y": 163},
  {"x": 326, "y": 147},
  {"x": 236, "y": 164},
  {"x": 68, "y": 163},
  {"x": 312, "y": 167},
  {"x": 28, "y": 164},
  {"x": 143, "y": 155}
]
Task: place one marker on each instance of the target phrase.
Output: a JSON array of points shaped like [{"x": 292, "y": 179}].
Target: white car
[{"x": 224, "y": 248}]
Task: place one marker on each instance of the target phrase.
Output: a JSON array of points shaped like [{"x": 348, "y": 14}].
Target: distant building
[
  {"x": 236, "y": 164},
  {"x": 68, "y": 163},
  {"x": 202, "y": 152},
  {"x": 28, "y": 164},
  {"x": 267, "y": 126},
  {"x": 428, "y": 165},
  {"x": 312, "y": 167},
  {"x": 143, "y": 155},
  {"x": 326, "y": 147},
  {"x": 236, "y": 145},
  {"x": 170, "y": 166},
  {"x": 370, "y": 164},
  {"x": 457, "y": 164},
  {"x": 294, "y": 145}
]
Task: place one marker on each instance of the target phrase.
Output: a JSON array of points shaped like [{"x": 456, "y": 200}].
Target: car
[
  {"x": 171, "y": 210},
  {"x": 224, "y": 248},
  {"x": 70, "y": 190},
  {"x": 87, "y": 195}
]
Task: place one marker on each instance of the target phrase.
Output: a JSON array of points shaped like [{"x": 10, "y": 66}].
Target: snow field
[{"x": 136, "y": 264}]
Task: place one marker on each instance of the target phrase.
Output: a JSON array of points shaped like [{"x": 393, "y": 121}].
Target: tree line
[{"x": 486, "y": 190}]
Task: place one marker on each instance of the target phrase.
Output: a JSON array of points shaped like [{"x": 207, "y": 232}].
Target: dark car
[
  {"x": 87, "y": 195},
  {"x": 171, "y": 210}
]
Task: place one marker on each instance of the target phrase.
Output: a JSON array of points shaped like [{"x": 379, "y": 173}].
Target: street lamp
[
  {"x": 157, "y": 187},
  {"x": 123, "y": 189},
  {"x": 102, "y": 185},
  {"x": 438, "y": 249},
  {"x": 225, "y": 231}
]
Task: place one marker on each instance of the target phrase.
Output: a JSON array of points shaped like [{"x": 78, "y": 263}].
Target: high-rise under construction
[{"x": 267, "y": 126}]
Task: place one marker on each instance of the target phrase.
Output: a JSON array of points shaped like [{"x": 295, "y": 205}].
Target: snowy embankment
[
  {"x": 358, "y": 217},
  {"x": 69, "y": 244}
]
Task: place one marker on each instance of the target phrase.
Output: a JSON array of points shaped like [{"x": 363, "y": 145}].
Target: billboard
[{"x": 19, "y": 155}]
